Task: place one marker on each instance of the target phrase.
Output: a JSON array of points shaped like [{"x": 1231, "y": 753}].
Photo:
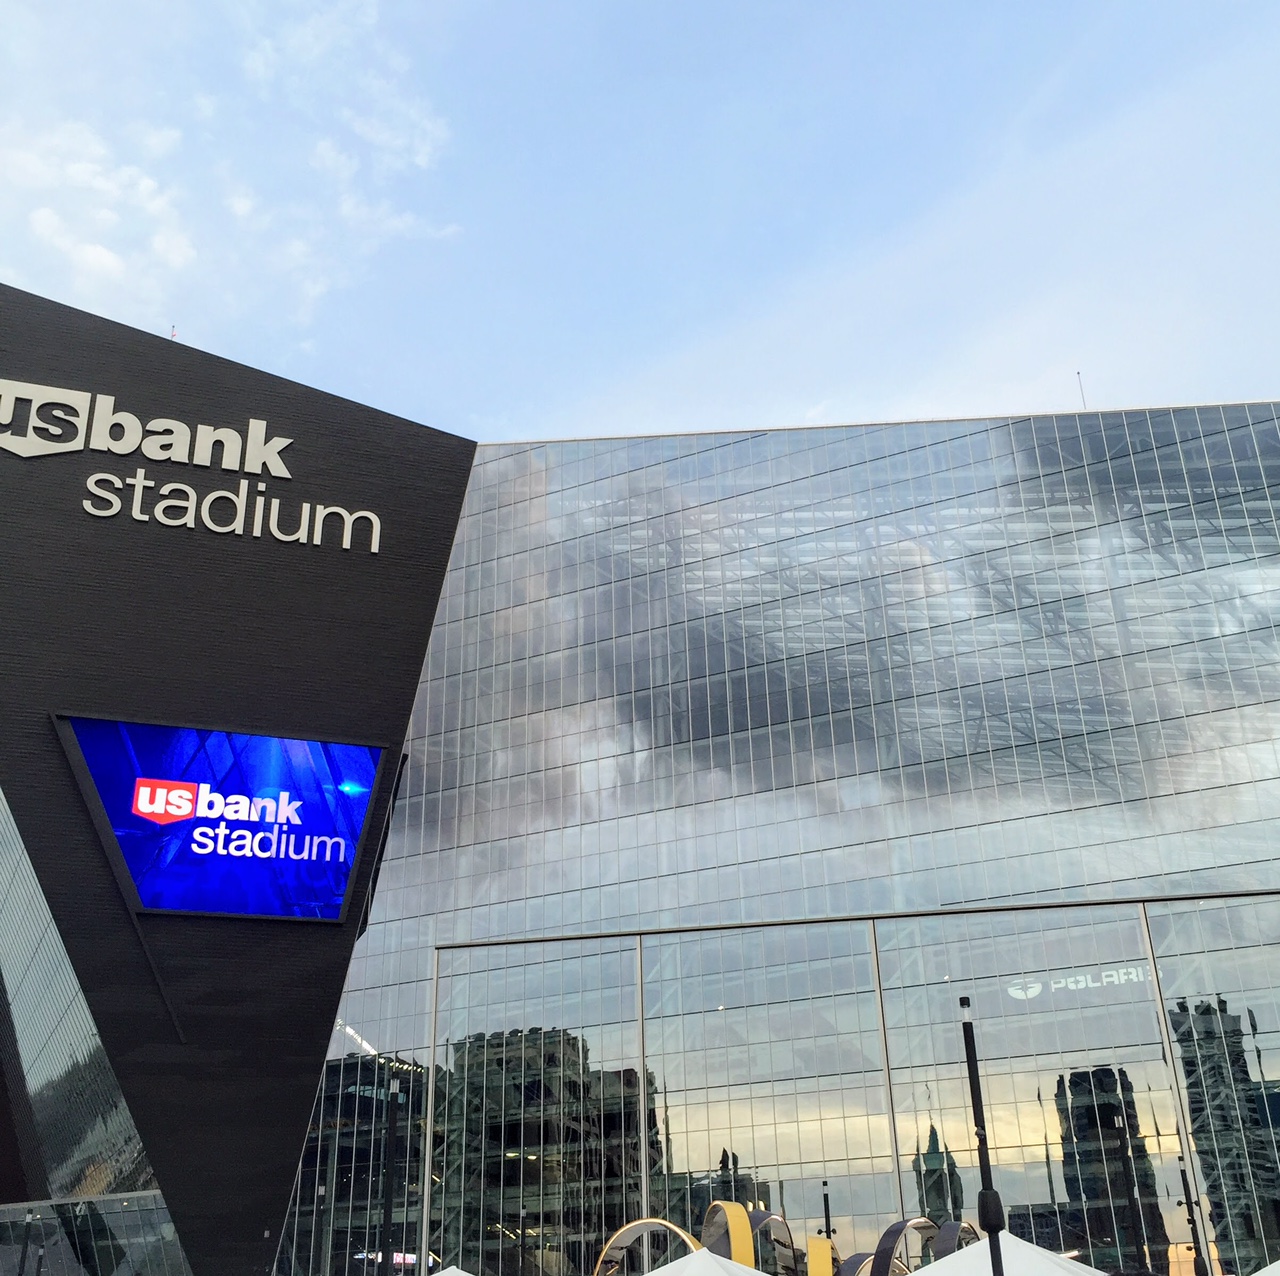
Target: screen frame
[{"x": 61, "y": 719}]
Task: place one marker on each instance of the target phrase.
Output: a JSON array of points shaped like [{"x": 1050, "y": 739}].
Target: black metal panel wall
[{"x": 120, "y": 615}]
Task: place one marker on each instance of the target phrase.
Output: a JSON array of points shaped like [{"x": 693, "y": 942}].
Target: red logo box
[{"x": 164, "y": 801}]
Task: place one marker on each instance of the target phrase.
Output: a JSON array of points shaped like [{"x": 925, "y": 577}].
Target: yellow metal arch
[
  {"x": 823, "y": 1258},
  {"x": 627, "y": 1235},
  {"x": 729, "y": 1225}
]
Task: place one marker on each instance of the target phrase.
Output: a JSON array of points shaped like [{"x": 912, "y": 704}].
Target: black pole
[
  {"x": 522, "y": 1231},
  {"x": 39, "y": 1259},
  {"x": 990, "y": 1210},
  {"x": 826, "y": 1210},
  {"x": 1199, "y": 1266},
  {"x": 389, "y": 1168},
  {"x": 26, "y": 1244}
]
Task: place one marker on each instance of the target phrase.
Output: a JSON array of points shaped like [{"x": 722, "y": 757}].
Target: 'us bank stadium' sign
[{"x": 39, "y": 421}]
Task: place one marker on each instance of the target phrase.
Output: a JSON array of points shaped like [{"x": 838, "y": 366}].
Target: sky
[{"x": 567, "y": 219}]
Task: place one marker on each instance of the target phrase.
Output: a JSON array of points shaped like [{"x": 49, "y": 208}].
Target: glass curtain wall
[
  {"x": 767, "y": 1054},
  {"x": 1081, "y": 1111},
  {"x": 918, "y": 672},
  {"x": 543, "y": 1126},
  {"x": 73, "y": 1132},
  {"x": 574, "y": 1086},
  {"x": 363, "y": 1167},
  {"x": 1218, "y": 967}
]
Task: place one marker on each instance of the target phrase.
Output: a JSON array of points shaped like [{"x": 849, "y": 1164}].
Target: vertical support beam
[
  {"x": 888, "y": 1070},
  {"x": 1181, "y": 1103},
  {"x": 643, "y": 1123},
  {"x": 428, "y": 1137},
  {"x": 386, "y": 1244},
  {"x": 329, "y": 1201}
]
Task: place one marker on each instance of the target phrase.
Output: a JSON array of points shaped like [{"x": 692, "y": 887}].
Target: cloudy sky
[{"x": 525, "y": 221}]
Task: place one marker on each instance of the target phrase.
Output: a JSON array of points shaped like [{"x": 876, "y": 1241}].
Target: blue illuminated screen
[{"x": 221, "y": 822}]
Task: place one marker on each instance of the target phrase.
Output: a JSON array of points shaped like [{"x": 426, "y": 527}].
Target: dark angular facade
[{"x": 144, "y": 1051}]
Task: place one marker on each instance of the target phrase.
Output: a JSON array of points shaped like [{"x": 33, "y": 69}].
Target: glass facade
[
  {"x": 738, "y": 758},
  {"x": 68, "y": 1146},
  {"x": 114, "y": 1235}
]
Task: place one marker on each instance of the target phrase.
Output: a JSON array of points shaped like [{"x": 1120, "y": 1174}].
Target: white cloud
[
  {"x": 329, "y": 158},
  {"x": 97, "y": 228},
  {"x": 172, "y": 247},
  {"x": 86, "y": 257},
  {"x": 159, "y": 142},
  {"x": 269, "y": 196},
  {"x": 325, "y": 69},
  {"x": 401, "y": 130}
]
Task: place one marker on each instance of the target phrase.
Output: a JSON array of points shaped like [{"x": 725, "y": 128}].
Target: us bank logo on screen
[{"x": 219, "y": 822}]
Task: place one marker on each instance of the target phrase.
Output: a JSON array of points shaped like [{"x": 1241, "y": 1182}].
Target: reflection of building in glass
[
  {"x": 538, "y": 1156},
  {"x": 111, "y": 1235},
  {"x": 684, "y": 1199},
  {"x": 1112, "y": 1211},
  {"x": 939, "y": 1191},
  {"x": 1233, "y": 1132},
  {"x": 1108, "y": 1169},
  {"x": 737, "y": 755},
  {"x": 341, "y": 1200}
]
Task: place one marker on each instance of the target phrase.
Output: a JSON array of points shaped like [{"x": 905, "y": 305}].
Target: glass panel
[
  {"x": 1218, "y": 972},
  {"x": 765, "y": 1051},
  {"x": 541, "y": 1130},
  {"x": 1080, "y": 1111},
  {"x": 74, "y": 1135},
  {"x": 119, "y": 1234}
]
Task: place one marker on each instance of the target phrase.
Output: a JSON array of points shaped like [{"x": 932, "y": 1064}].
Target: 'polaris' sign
[{"x": 42, "y": 420}]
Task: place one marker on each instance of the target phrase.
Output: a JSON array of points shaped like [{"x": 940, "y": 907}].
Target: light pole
[
  {"x": 1199, "y": 1266},
  {"x": 990, "y": 1210},
  {"x": 826, "y": 1213}
]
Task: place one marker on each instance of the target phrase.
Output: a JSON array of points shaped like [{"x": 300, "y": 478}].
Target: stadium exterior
[{"x": 738, "y": 758}]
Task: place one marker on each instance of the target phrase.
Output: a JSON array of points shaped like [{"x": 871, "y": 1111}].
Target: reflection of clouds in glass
[{"x": 856, "y": 639}]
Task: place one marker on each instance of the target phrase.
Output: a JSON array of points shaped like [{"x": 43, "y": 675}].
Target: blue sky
[{"x": 520, "y": 221}]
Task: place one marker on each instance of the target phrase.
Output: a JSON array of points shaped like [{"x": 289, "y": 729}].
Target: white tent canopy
[
  {"x": 702, "y": 1262},
  {"x": 1273, "y": 1270},
  {"x": 451, "y": 1271},
  {"x": 1020, "y": 1259}
]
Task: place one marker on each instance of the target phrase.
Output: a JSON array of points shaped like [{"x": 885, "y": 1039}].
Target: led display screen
[{"x": 221, "y": 822}]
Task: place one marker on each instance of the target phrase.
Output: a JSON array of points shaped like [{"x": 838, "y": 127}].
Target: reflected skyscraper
[
  {"x": 1112, "y": 1212},
  {"x": 1231, "y": 1124},
  {"x": 939, "y": 1190},
  {"x": 1109, "y": 1171},
  {"x": 360, "y": 1169},
  {"x": 538, "y": 1155}
]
